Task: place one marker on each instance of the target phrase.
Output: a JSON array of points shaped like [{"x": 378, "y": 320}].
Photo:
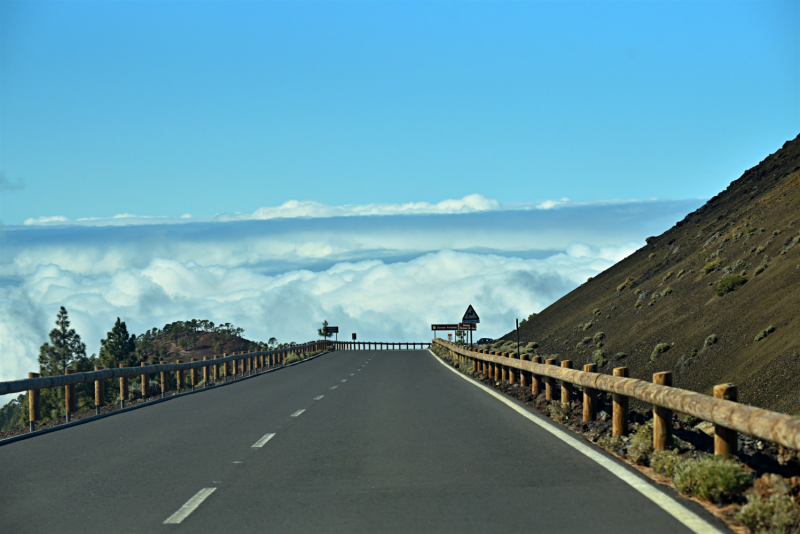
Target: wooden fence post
[
  {"x": 726, "y": 442},
  {"x": 536, "y": 381},
  {"x": 193, "y": 374},
  {"x": 69, "y": 396},
  {"x": 123, "y": 388},
  {"x": 566, "y": 387},
  {"x": 662, "y": 417},
  {"x": 512, "y": 372},
  {"x": 99, "y": 392},
  {"x": 619, "y": 408},
  {"x": 589, "y": 395},
  {"x": 523, "y": 375},
  {"x": 34, "y": 404},
  {"x": 205, "y": 373},
  {"x": 548, "y": 382},
  {"x": 179, "y": 376},
  {"x": 145, "y": 384},
  {"x": 164, "y": 380}
]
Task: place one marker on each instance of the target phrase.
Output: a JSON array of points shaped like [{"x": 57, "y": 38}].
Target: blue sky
[
  {"x": 166, "y": 108},
  {"x": 379, "y": 165}
]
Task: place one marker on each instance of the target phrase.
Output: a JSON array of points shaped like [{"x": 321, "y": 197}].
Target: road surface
[{"x": 352, "y": 441}]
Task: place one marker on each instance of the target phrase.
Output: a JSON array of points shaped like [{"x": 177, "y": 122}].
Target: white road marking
[
  {"x": 690, "y": 520},
  {"x": 334, "y": 387},
  {"x": 297, "y": 413},
  {"x": 260, "y": 443},
  {"x": 352, "y": 374},
  {"x": 319, "y": 398},
  {"x": 345, "y": 380},
  {"x": 190, "y": 506}
]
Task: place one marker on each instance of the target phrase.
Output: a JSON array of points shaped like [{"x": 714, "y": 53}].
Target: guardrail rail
[{"x": 728, "y": 416}]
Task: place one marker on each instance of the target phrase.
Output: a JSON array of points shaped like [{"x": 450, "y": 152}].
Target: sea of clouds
[{"x": 385, "y": 271}]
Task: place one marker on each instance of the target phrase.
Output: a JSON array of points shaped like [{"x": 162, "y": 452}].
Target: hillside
[{"x": 664, "y": 293}]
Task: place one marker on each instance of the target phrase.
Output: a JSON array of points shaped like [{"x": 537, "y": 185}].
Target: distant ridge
[{"x": 748, "y": 232}]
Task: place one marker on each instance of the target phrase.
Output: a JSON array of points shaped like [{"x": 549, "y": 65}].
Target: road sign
[
  {"x": 354, "y": 336},
  {"x": 467, "y": 326},
  {"x": 470, "y": 316},
  {"x": 332, "y": 329},
  {"x": 444, "y": 327}
]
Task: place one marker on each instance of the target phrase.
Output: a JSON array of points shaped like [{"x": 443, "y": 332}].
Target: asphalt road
[{"x": 364, "y": 441}]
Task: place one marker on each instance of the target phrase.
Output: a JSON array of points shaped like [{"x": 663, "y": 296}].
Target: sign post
[{"x": 471, "y": 317}]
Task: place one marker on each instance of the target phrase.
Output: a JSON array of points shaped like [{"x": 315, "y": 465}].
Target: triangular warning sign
[{"x": 470, "y": 316}]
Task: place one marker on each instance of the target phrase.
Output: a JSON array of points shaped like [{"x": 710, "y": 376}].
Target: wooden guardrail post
[
  {"x": 99, "y": 392},
  {"x": 523, "y": 375},
  {"x": 726, "y": 442},
  {"x": 123, "y": 388},
  {"x": 536, "y": 381},
  {"x": 69, "y": 396},
  {"x": 193, "y": 374},
  {"x": 164, "y": 380},
  {"x": 566, "y": 387},
  {"x": 34, "y": 405},
  {"x": 145, "y": 384},
  {"x": 589, "y": 395},
  {"x": 179, "y": 377},
  {"x": 662, "y": 417},
  {"x": 619, "y": 417},
  {"x": 512, "y": 371},
  {"x": 548, "y": 382},
  {"x": 205, "y": 373}
]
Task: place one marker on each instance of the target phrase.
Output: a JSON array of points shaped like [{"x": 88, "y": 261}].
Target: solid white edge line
[
  {"x": 260, "y": 443},
  {"x": 190, "y": 506},
  {"x": 690, "y": 520},
  {"x": 297, "y": 413},
  {"x": 319, "y": 398}
]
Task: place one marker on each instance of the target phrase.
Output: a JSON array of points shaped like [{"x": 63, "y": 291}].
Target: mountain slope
[{"x": 664, "y": 293}]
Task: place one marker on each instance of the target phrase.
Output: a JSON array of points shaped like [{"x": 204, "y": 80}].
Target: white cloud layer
[{"x": 386, "y": 278}]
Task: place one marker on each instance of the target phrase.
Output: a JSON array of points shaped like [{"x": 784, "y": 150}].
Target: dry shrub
[
  {"x": 712, "y": 478},
  {"x": 664, "y": 462}
]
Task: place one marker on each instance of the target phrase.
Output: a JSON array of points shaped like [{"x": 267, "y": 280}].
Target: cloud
[
  {"x": 385, "y": 277},
  {"x": 294, "y": 209},
  {"x": 8, "y": 185}
]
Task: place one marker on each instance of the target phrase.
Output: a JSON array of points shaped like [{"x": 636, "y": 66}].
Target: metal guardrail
[
  {"x": 728, "y": 416},
  {"x": 244, "y": 362}
]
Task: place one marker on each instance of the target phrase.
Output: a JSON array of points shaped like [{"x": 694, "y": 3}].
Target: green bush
[
  {"x": 732, "y": 282},
  {"x": 596, "y": 311},
  {"x": 588, "y": 325},
  {"x": 711, "y": 266},
  {"x": 710, "y": 340},
  {"x": 666, "y": 292},
  {"x": 751, "y": 230},
  {"x": 668, "y": 276},
  {"x": 532, "y": 345},
  {"x": 599, "y": 336},
  {"x": 599, "y": 344},
  {"x": 760, "y": 249},
  {"x": 680, "y": 273},
  {"x": 759, "y": 269},
  {"x": 610, "y": 443},
  {"x": 291, "y": 359},
  {"x": 599, "y": 358},
  {"x": 651, "y": 256},
  {"x": 764, "y": 333},
  {"x": 712, "y": 478},
  {"x": 780, "y": 514},
  {"x": 664, "y": 462},
  {"x": 641, "y": 445},
  {"x": 659, "y": 349}
]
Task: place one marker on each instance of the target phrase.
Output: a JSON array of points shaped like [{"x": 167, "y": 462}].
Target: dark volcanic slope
[{"x": 754, "y": 223}]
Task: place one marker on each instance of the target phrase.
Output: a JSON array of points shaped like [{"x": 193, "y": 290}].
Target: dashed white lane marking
[
  {"x": 190, "y": 506},
  {"x": 345, "y": 380},
  {"x": 319, "y": 398},
  {"x": 334, "y": 387},
  {"x": 352, "y": 374},
  {"x": 297, "y": 413},
  {"x": 260, "y": 443},
  {"x": 690, "y": 520}
]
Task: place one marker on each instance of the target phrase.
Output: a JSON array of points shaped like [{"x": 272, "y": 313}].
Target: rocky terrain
[{"x": 715, "y": 299}]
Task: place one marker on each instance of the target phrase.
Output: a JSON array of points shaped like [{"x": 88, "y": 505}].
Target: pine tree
[
  {"x": 118, "y": 347},
  {"x": 64, "y": 349},
  {"x": 324, "y": 330}
]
